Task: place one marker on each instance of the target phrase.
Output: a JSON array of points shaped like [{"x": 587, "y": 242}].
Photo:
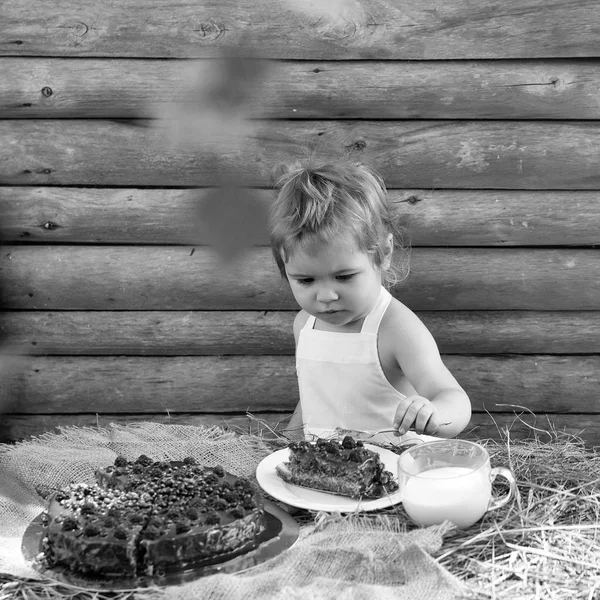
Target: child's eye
[
  {"x": 346, "y": 277},
  {"x": 306, "y": 281}
]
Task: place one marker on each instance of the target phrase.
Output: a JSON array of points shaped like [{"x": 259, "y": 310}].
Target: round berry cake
[{"x": 146, "y": 518}]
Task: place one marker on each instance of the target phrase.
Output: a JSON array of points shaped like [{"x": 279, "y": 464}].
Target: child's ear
[{"x": 388, "y": 251}]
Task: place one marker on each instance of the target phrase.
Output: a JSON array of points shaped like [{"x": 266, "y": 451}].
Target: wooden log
[
  {"x": 413, "y": 154},
  {"x": 95, "y": 88},
  {"x": 171, "y": 216},
  {"x": 227, "y": 384},
  {"x": 545, "y": 428},
  {"x": 364, "y": 29},
  {"x": 180, "y": 278},
  {"x": 499, "y": 218},
  {"x": 213, "y": 333}
]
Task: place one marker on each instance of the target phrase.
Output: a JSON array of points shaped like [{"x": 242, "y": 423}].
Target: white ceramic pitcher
[{"x": 450, "y": 480}]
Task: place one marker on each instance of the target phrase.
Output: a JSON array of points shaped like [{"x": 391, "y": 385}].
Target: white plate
[{"x": 313, "y": 500}]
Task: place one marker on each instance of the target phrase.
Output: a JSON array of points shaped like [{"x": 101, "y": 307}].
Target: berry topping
[
  {"x": 237, "y": 512},
  {"x": 69, "y": 524},
  {"x": 355, "y": 456},
  {"x": 249, "y": 503},
  {"x": 212, "y": 479},
  {"x": 120, "y": 461},
  {"x": 220, "y": 504},
  {"x": 212, "y": 518},
  {"x": 192, "y": 514},
  {"x": 87, "y": 509},
  {"x": 348, "y": 443},
  {"x": 136, "y": 519},
  {"x": 181, "y": 527},
  {"x": 91, "y": 530}
]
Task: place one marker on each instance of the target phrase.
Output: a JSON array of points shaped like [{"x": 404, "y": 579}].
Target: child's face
[{"x": 335, "y": 281}]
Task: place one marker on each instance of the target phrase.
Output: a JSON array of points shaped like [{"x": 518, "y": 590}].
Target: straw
[{"x": 544, "y": 544}]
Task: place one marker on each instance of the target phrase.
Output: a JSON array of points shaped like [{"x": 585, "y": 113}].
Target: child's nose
[{"x": 326, "y": 294}]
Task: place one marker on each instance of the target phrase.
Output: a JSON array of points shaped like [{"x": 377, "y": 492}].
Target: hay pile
[{"x": 545, "y": 544}]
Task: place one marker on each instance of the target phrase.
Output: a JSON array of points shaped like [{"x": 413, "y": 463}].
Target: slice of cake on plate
[{"x": 345, "y": 468}]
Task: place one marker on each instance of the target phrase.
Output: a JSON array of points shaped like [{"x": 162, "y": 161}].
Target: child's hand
[{"x": 418, "y": 413}]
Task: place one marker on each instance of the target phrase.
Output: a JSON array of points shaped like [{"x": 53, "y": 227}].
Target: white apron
[{"x": 341, "y": 381}]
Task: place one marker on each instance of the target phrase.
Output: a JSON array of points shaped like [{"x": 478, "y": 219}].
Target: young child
[{"x": 364, "y": 360}]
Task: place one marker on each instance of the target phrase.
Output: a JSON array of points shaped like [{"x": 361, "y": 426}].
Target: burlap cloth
[{"x": 342, "y": 557}]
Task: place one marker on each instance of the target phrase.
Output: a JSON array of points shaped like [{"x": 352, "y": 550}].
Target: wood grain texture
[
  {"x": 225, "y": 384},
  {"x": 214, "y": 333},
  {"x": 520, "y": 425},
  {"x": 183, "y": 278},
  {"x": 170, "y": 216},
  {"x": 367, "y": 29},
  {"x": 67, "y": 88},
  {"x": 484, "y": 121},
  {"x": 413, "y": 154}
]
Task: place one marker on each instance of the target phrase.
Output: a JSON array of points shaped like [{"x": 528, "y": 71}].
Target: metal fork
[{"x": 371, "y": 434}]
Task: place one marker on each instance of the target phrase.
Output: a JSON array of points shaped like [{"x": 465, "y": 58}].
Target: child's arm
[
  {"x": 295, "y": 428},
  {"x": 439, "y": 399}
]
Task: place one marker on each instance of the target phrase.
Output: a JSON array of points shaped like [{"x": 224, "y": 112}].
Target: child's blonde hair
[{"x": 328, "y": 200}]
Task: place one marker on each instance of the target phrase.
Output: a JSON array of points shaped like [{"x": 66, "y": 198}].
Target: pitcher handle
[{"x": 512, "y": 491}]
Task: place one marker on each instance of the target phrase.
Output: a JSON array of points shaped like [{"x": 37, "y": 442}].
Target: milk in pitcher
[{"x": 457, "y": 494}]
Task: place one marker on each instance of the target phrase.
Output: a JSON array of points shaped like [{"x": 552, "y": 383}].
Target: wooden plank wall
[{"x": 483, "y": 118}]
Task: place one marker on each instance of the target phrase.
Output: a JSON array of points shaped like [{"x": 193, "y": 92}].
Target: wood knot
[
  {"x": 336, "y": 32},
  {"x": 76, "y": 28},
  {"x": 79, "y": 29},
  {"x": 209, "y": 30},
  {"x": 357, "y": 146},
  {"x": 50, "y": 225},
  {"x": 412, "y": 199},
  {"x": 47, "y": 91}
]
